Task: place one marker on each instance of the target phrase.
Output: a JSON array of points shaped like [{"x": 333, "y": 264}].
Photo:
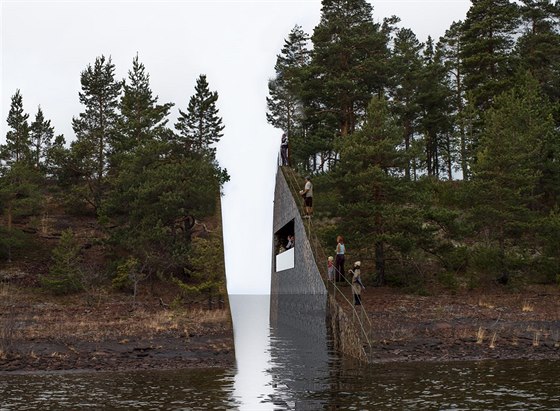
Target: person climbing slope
[{"x": 307, "y": 194}]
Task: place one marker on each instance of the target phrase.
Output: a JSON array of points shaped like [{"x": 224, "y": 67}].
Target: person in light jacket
[
  {"x": 339, "y": 259},
  {"x": 307, "y": 194},
  {"x": 330, "y": 268},
  {"x": 357, "y": 283}
]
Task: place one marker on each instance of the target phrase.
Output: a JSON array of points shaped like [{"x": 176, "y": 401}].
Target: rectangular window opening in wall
[{"x": 284, "y": 247}]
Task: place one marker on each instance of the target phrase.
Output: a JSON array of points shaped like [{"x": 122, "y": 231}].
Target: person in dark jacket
[{"x": 284, "y": 149}]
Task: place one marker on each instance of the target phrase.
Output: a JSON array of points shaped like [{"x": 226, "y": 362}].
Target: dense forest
[
  {"x": 129, "y": 199},
  {"x": 438, "y": 161}
]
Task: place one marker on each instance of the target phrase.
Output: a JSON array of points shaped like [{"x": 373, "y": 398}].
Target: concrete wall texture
[
  {"x": 299, "y": 303},
  {"x": 305, "y": 277},
  {"x": 298, "y": 295}
]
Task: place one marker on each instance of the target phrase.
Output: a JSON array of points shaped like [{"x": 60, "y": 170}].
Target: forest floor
[
  {"x": 100, "y": 329},
  {"x": 491, "y": 323},
  {"x": 39, "y": 332}
]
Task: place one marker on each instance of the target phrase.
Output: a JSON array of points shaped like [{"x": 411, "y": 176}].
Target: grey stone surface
[
  {"x": 305, "y": 277},
  {"x": 298, "y": 301},
  {"x": 299, "y": 348}
]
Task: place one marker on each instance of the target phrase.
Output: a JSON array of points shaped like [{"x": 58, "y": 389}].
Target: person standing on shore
[
  {"x": 330, "y": 268},
  {"x": 357, "y": 283},
  {"x": 339, "y": 260}
]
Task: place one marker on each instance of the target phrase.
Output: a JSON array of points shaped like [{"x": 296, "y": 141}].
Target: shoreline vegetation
[
  {"x": 111, "y": 322},
  {"x": 111, "y": 247}
]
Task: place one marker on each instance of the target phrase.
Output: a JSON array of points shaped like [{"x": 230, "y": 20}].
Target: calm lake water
[{"x": 282, "y": 367}]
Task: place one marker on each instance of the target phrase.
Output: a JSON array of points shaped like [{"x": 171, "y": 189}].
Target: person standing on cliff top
[
  {"x": 307, "y": 194},
  {"x": 284, "y": 149}
]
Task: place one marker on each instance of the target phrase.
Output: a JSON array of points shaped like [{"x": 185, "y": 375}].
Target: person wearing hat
[
  {"x": 307, "y": 194},
  {"x": 357, "y": 284}
]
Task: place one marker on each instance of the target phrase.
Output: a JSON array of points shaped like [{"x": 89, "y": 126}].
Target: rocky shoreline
[
  {"x": 161, "y": 353},
  {"x": 54, "y": 336},
  {"x": 471, "y": 326}
]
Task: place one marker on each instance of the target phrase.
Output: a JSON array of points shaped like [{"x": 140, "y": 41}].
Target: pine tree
[
  {"x": 285, "y": 110},
  {"x": 509, "y": 167},
  {"x": 95, "y": 128},
  {"x": 142, "y": 118},
  {"x": 487, "y": 42},
  {"x": 17, "y": 148},
  {"x": 19, "y": 196},
  {"x": 200, "y": 127},
  {"x": 404, "y": 91},
  {"x": 207, "y": 270},
  {"x": 538, "y": 49},
  {"x": 65, "y": 273},
  {"x": 434, "y": 102},
  {"x": 450, "y": 47},
  {"x": 56, "y": 156},
  {"x": 348, "y": 66},
  {"x": 369, "y": 183},
  {"x": 155, "y": 198},
  {"x": 41, "y": 139}
]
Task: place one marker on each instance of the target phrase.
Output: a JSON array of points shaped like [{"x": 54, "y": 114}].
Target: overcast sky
[{"x": 47, "y": 44}]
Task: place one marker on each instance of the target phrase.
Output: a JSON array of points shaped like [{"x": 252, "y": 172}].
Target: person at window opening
[
  {"x": 284, "y": 149},
  {"x": 339, "y": 261},
  {"x": 357, "y": 284},
  {"x": 291, "y": 242},
  {"x": 307, "y": 194},
  {"x": 330, "y": 268}
]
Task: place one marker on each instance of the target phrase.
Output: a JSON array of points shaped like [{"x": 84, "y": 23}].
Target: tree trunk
[
  {"x": 504, "y": 274},
  {"x": 379, "y": 263},
  {"x": 9, "y": 246},
  {"x": 449, "y": 163},
  {"x": 407, "y": 133}
]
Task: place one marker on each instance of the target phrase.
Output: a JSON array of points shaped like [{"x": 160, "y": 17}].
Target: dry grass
[
  {"x": 485, "y": 304},
  {"x": 8, "y": 321},
  {"x": 480, "y": 335},
  {"x": 4, "y": 292},
  {"x": 493, "y": 340},
  {"x": 462, "y": 333},
  {"x": 114, "y": 321},
  {"x": 536, "y": 339},
  {"x": 527, "y": 307},
  {"x": 209, "y": 316}
]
